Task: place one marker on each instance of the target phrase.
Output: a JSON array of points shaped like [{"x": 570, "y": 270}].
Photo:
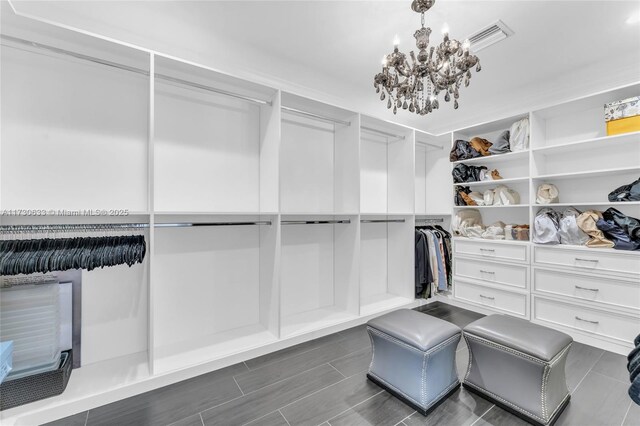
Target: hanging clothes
[{"x": 433, "y": 261}]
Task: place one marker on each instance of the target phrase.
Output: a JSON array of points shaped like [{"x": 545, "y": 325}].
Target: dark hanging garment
[{"x": 422, "y": 268}]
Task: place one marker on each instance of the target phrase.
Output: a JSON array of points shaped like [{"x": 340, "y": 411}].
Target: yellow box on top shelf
[
  {"x": 622, "y": 116},
  {"x": 623, "y": 125}
]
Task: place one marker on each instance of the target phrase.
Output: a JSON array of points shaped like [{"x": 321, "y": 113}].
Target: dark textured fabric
[
  {"x": 501, "y": 145},
  {"x": 481, "y": 145},
  {"x": 423, "y": 273},
  {"x": 458, "y": 198},
  {"x": 462, "y": 150},
  {"x": 629, "y": 224},
  {"x": 621, "y": 240},
  {"x": 462, "y": 173},
  {"x": 630, "y": 192}
]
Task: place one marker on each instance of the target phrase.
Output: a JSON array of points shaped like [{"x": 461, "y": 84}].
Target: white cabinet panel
[
  {"x": 593, "y": 321},
  {"x": 588, "y": 260},
  {"x": 492, "y": 250},
  {"x": 588, "y": 287},
  {"x": 506, "y": 301},
  {"x": 493, "y": 272}
]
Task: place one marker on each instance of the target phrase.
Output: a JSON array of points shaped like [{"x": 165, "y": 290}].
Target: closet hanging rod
[
  {"x": 132, "y": 69},
  {"x": 382, "y": 221},
  {"x": 316, "y": 116},
  {"x": 434, "y": 146},
  {"x": 430, "y": 220},
  {"x": 112, "y": 226},
  {"x": 380, "y": 132},
  {"x": 314, "y": 222}
]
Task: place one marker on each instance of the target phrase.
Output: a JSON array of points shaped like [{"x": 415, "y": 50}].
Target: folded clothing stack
[
  {"x": 468, "y": 223},
  {"x": 610, "y": 229},
  {"x": 499, "y": 196}
]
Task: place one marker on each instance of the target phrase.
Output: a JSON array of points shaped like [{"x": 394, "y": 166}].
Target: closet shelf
[
  {"x": 515, "y": 242},
  {"x": 589, "y": 249},
  {"x": 317, "y": 319},
  {"x": 597, "y": 203},
  {"x": 210, "y": 213},
  {"x": 491, "y": 207},
  {"x": 588, "y": 174},
  {"x": 509, "y": 156},
  {"x": 493, "y": 182},
  {"x": 381, "y": 302},
  {"x": 613, "y": 142},
  {"x": 374, "y": 214}
]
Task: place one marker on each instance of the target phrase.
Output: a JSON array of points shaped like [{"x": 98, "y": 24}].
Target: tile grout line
[
  {"x": 612, "y": 378},
  {"x": 352, "y": 407},
  {"x": 587, "y": 373},
  {"x": 285, "y": 419},
  {"x": 201, "y": 419},
  {"x": 483, "y": 414},
  {"x": 245, "y": 364},
  {"x": 313, "y": 393},
  {"x": 330, "y": 365},
  {"x": 626, "y": 414},
  {"x": 236, "y": 382},
  {"x": 86, "y": 419},
  {"x": 402, "y": 421}
]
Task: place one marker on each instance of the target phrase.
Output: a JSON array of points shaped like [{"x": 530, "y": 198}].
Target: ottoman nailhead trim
[
  {"x": 419, "y": 404},
  {"x": 547, "y": 371},
  {"x": 499, "y": 398}
]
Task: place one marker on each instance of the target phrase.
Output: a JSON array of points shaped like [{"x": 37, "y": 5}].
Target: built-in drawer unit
[
  {"x": 594, "y": 321},
  {"x": 591, "y": 260},
  {"x": 501, "y": 300},
  {"x": 492, "y": 250},
  {"x": 493, "y": 272},
  {"x": 616, "y": 292}
]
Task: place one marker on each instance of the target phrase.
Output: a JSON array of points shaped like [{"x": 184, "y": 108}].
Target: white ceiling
[{"x": 330, "y": 50}]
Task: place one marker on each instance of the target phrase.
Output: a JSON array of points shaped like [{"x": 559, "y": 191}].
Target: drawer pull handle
[
  {"x": 585, "y": 288},
  {"x": 487, "y": 272},
  {"x": 589, "y": 321},
  {"x": 581, "y": 259},
  {"x": 484, "y": 249},
  {"x": 487, "y": 297}
]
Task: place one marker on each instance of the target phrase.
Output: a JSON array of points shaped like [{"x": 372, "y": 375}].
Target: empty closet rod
[
  {"x": 313, "y": 222},
  {"x": 439, "y": 147},
  {"x": 112, "y": 226},
  {"x": 316, "y": 116},
  {"x": 131, "y": 69},
  {"x": 380, "y": 132},
  {"x": 383, "y": 221}
]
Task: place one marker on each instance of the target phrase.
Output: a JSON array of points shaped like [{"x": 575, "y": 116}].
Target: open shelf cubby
[
  {"x": 318, "y": 273},
  {"x": 214, "y": 290}
]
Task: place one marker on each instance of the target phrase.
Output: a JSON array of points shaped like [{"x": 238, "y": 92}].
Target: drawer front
[
  {"x": 601, "y": 323},
  {"x": 588, "y": 260},
  {"x": 513, "y": 252},
  {"x": 506, "y": 301},
  {"x": 493, "y": 272},
  {"x": 588, "y": 287}
]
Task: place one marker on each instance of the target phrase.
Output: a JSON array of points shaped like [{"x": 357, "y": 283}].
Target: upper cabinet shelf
[
  {"x": 617, "y": 142},
  {"x": 495, "y": 159}
]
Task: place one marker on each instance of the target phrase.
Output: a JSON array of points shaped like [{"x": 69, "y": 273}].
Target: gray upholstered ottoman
[
  {"x": 414, "y": 357},
  {"x": 519, "y": 366}
]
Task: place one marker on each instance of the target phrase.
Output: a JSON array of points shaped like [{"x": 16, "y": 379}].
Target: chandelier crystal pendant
[{"x": 416, "y": 86}]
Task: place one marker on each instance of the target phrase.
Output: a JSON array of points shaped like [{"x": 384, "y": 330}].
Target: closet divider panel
[
  {"x": 432, "y": 165},
  {"x": 386, "y": 262},
  {"x": 214, "y": 289},
  {"x": 210, "y": 146},
  {"x": 347, "y": 166},
  {"x": 74, "y": 132}
]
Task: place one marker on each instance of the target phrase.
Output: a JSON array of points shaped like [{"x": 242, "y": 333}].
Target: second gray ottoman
[
  {"x": 414, "y": 357},
  {"x": 519, "y": 366}
]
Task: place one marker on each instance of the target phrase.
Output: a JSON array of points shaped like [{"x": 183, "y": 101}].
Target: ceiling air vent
[{"x": 489, "y": 35}]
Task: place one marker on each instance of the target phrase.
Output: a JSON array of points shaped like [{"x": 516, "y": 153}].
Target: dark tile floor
[{"x": 323, "y": 382}]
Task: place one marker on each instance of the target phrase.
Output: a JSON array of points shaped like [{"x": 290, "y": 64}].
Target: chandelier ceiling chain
[{"x": 433, "y": 70}]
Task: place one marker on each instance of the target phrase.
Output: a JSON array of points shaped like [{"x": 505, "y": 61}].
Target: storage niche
[
  {"x": 386, "y": 168},
  {"x": 319, "y": 273},
  {"x": 386, "y": 260},
  {"x": 213, "y": 289},
  {"x": 318, "y": 158},
  {"x": 431, "y": 164},
  {"x": 74, "y": 128},
  {"x": 216, "y": 142}
]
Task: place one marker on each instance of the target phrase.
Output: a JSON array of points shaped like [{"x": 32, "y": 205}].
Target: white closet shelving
[{"x": 592, "y": 293}]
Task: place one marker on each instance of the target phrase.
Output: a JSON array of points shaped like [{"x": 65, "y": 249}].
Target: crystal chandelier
[{"x": 416, "y": 86}]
